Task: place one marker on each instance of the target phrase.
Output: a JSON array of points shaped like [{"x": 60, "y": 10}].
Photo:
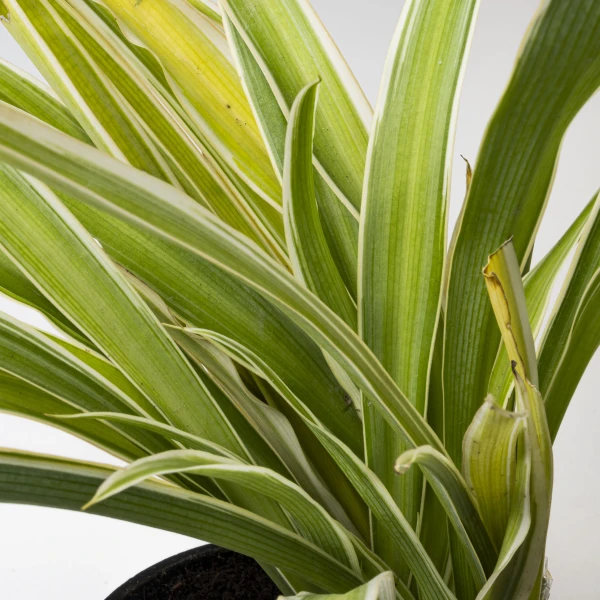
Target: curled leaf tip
[{"x": 404, "y": 462}]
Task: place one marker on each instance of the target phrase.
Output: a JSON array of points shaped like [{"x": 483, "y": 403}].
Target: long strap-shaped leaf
[
  {"x": 261, "y": 451},
  {"x": 557, "y": 70},
  {"x": 32, "y": 357},
  {"x": 402, "y": 240},
  {"x": 293, "y": 48},
  {"x": 572, "y": 337},
  {"x": 313, "y": 521},
  {"x": 194, "y": 54},
  {"x": 518, "y": 573},
  {"x": 538, "y": 286},
  {"x": 430, "y": 582},
  {"x": 270, "y": 424},
  {"x": 48, "y": 481},
  {"x": 297, "y": 410},
  {"x": 20, "y": 398},
  {"x": 67, "y": 265},
  {"x": 339, "y": 217},
  {"x": 207, "y": 7},
  {"x": 107, "y": 184},
  {"x": 245, "y": 410},
  {"x": 192, "y": 442},
  {"x": 519, "y": 570},
  {"x": 23, "y": 91},
  {"x": 311, "y": 260},
  {"x": 460, "y": 506},
  {"x": 379, "y": 588},
  {"x": 15, "y": 284}
]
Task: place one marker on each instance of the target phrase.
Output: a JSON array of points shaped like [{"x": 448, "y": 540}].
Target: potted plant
[{"x": 256, "y": 306}]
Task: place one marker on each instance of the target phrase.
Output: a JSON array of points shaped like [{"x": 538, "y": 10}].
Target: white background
[{"x": 59, "y": 555}]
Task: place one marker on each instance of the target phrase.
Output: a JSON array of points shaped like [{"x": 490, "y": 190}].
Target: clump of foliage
[{"x": 254, "y": 301}]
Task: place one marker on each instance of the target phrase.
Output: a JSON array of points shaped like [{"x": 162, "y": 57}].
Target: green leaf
[
  {"x": 460, "y": 506},
  {"x": 434, "y": 531},
  {"x": 489, "y": 463},
  {"x": 538, "y": 285},
  {"x": 23, "y": 91},
  {"x": 47, "y": 481},
  {"x": 15, "y": 284},
  {"x": 373, "y": 566},
  {"x": 68, "y": 266},
  {"x": 312, "y": 263},
  {"x": 270, "y": 424},
  {"x": 379, "y": 588},
  {"x": 101, "y": 365},
  {"x": 194, "y": 54},
  {"x": 573, "y": 332},
  {"x": 258, "y": 449},
  {"x": 208, "y": 8},
  {"x": 339, "y": 219},
  {"x": 518, "y": 526},
  {"x": 204, "y": 296},
  {"x": 32, "y": 357},
  {"x": 557, "y": 70},
  {"x": 312, "y": 520},
  {"x": 23, "y": 399},
  {"x": 100, "y": 181},
  {"x": 192, "y": 442},
  {"x": 292, "y": 48},
  {"x": 336, "y": 480},
  {"x": 403, "y": 218},
  {"x": 430, "y": 582}
]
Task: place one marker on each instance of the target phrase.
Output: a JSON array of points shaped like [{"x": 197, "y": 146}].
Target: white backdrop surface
[{"x": 68, "y": 556}]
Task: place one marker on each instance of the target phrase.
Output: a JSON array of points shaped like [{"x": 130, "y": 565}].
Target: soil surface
[{"x": 220, "y": 575}]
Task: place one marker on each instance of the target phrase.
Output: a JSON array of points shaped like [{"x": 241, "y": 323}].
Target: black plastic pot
[{"x": 205, "y": 573}]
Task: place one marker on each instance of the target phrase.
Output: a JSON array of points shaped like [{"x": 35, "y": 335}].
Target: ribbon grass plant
[{"x": 257, "y": 304}]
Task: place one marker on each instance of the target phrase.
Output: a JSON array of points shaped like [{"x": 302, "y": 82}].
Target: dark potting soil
[{"x": 220, "y": 575}]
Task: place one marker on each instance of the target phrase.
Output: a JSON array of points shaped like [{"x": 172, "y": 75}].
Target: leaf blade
[
  {"x": 311, "y": 261},
  {"x": 402, "y": 233}
]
